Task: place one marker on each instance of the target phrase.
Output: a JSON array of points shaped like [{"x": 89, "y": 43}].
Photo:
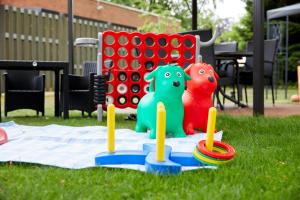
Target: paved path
[{"x": 279, "y": 110}]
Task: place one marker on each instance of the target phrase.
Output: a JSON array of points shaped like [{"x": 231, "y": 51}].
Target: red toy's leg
[
  {"x": 203, "y": 126},
  {"x": 189, "y": 129}
]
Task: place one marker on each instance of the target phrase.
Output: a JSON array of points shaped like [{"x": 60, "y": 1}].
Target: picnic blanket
[{"x": 76, "y": 147}]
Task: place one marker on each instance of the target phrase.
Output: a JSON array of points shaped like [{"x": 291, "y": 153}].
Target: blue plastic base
[{"x": 172, "y": 164}]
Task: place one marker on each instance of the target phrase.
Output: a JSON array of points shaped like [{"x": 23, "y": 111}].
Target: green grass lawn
[{"x": 267, "y": 166}]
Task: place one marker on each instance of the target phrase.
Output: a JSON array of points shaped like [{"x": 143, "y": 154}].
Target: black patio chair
[
  {"x": 226, "y": 70},
  {"x": 226, "y": 47},
  {"x": 24, "y": 90},
  {"x": 81, "y": 89},
  {"x": 246, "y": 76}
]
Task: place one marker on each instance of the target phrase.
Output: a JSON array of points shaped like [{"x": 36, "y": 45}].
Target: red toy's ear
[
  {"x": 188, "y": 69},
  {"x": 216, "y": 75}
]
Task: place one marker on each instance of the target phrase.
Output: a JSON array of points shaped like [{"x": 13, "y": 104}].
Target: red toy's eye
[
  {"x": 211, "y": 72},
  {"x": 201, "y": 71}
]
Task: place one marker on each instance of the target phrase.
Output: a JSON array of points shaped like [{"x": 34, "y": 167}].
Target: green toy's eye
[
  {"x": 178, "y": 74},
  {"x": 167, "y": 74},
  {"x": 201, "y": 71}
]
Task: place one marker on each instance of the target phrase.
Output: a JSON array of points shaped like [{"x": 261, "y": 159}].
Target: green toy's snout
[{"x": 176, "y": 83}]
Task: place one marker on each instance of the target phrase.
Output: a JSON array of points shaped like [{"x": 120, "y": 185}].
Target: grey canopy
[{"x": 284, "y": 11}]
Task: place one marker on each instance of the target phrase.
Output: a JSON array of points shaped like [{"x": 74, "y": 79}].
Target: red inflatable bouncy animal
[{"x": 197, "y": 99}]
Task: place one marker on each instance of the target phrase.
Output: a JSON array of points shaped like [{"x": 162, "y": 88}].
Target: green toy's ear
[
  {"x": 187, "y": 77},
  {"x": 150, "y": 76}
]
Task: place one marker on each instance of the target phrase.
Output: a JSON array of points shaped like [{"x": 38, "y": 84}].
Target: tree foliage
[
  {"x": 164, "y": 24},
  {"x": 168, "y": 9},
  {"x": 241, "y": 31}
]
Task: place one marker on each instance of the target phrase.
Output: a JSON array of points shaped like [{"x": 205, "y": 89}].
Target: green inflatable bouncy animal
[{"x": 168, "y": 84}]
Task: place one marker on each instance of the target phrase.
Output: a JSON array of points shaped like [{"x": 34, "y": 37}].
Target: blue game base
[{"x": 172, "y": 165}]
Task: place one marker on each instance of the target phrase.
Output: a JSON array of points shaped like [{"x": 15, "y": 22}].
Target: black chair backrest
[
  {"x": 89, "y": 67},
  {"x": 207, "y": 53},
  {"x": 270, "y": 50},
  {"x": 226, "y": 47},
  {"x": 249, "y": 60},
  {"x": 20, "y": 80}
]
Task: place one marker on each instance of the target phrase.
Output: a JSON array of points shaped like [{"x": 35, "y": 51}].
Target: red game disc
[{"x": 3, "y": 136}]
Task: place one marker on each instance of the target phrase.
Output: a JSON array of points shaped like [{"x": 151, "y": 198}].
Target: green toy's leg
[
  {"x": 152, "y": 133},
  {"x": 140, "y": 127},
  {"x": 179, "y": 133}
]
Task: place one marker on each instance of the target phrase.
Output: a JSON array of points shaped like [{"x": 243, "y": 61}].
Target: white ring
[
  {"x": 122, "y": 88},
  {"x": 109, "y": 99},
  {"x": 121, "y": 102},
  {"x": 135, "y": 98}
]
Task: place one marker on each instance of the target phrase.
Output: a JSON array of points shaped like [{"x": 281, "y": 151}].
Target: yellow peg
[
  {"x": 111, "y": 128},
  {"x": 160, "y": 132},
  {"x": 210, "y": 131}
]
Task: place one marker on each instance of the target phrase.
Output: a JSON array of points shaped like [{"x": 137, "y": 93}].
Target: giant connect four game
[{"x": 128, "y": 57}]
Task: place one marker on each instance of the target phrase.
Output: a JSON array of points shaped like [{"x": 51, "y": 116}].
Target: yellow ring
[
  {"x": 219, "y": 150},
  {"x": 207, "y": 160}
]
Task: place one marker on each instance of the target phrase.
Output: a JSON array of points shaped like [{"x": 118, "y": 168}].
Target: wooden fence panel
[
  {"x": 3, "y": 20},
  {"x": 3, "y": 27},
  {"x": 25, "y": 35},
  {"x": 10, "y": 35},
  {"x": 33, "y": 34},
  {"x": 18, "y": 31}
]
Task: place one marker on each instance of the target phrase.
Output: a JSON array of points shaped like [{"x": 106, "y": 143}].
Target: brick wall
[{"x": 109, "y": 12}]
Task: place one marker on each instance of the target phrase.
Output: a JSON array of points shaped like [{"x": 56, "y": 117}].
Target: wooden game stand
[{"x": 296, "y": 98}]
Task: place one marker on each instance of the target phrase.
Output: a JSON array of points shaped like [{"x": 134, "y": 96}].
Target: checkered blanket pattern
[{"x": 76, "y": 147}]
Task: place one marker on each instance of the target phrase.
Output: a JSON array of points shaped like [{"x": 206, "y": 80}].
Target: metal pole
[
  {"x": 194, "y": 15},
  {"x": 70, "y": 36},
  {"x": 258, "y": 58},
  {"x": 99, "y": 72},
  {"x": 268, "y": 29},
  {"x": 66, "y": 91},
  {"x": 286, "y": 55}
]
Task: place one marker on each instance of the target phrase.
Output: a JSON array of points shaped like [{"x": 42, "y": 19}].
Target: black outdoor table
[
  {"x": 233, "y": 56},
  {"x": 55, "y": 66}
]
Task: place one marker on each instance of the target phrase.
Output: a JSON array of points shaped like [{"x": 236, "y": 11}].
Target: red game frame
[{"x": 128, "y": 57}]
